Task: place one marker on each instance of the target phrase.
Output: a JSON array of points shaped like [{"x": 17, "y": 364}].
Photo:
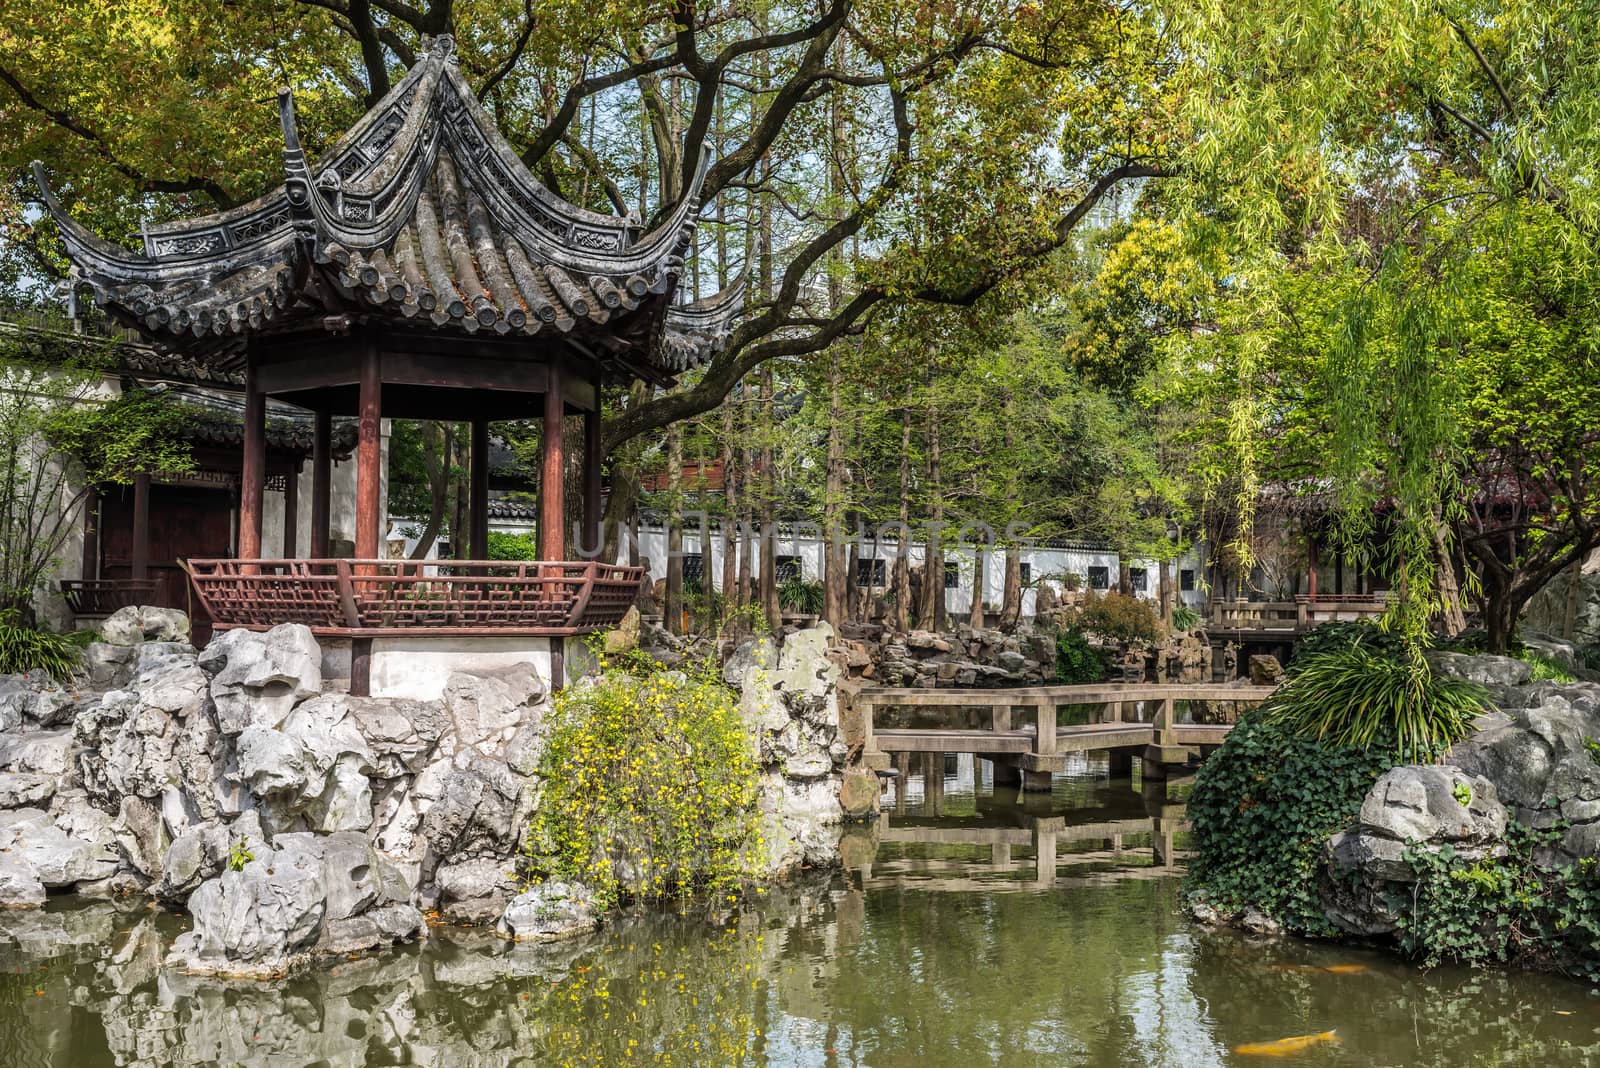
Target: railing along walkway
[
  {"x": 1044, "y": 748},
  {"x": 378, "y": 598}
]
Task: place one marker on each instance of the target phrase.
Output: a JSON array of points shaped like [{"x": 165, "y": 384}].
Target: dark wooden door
[{"x": 185, "y": 522}]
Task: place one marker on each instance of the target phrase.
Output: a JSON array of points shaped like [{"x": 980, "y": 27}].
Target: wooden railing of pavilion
[
  {"x": 92, "y": 598},
  {"x": 381, "y": 598}
]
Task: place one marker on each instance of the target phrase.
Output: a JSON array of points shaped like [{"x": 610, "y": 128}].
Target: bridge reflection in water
[{"x": 946, "y": 825}]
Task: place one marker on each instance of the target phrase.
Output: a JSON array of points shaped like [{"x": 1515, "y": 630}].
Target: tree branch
[{"x": 143, "y": 182}]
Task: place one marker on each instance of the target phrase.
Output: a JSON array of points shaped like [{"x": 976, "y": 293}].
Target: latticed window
[
  {"x": 1186, "y": 580},
  {"x": 1138, "y": 579},
  {"x": 789, "y": 568},
  {"x": 871, "y": 573},
  {"x": 952, "y": 575},
  {"x": 1099, "y": 577}
]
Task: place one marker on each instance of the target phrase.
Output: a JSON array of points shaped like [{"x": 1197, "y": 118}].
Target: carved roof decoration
[{"x": 420, "y": 214}]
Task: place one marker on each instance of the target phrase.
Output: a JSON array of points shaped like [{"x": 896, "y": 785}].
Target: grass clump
[
  {"x": 24, "y": 649},
  {"x": 1360, "y": 695},
  {"x": 649, "y": 788}
]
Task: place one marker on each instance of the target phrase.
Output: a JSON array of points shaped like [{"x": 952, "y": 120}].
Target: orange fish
[
  {"x": 1345, "y": 969},
  {"x": 1285, "y": 1047}
]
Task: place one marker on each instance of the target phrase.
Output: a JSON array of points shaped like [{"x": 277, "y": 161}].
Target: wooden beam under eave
[
  {"x": 321, "y": 483},
  {"x": 478, "y": 504}
]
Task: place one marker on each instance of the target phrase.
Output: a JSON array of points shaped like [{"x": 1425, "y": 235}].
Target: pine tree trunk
[
  {"x": 902, "y": 559},
  {"x": 933, "y": 595},
  {"x": 1011, "y": 605},
  {"x": 980, "y": 579},
  {"x": 672, "y": 608},
  {"x": 833, "y": 572},
  {"x": 730, "y": 502}
]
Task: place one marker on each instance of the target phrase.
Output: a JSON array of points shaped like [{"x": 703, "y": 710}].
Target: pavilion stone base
[{"x": 417, "y": 667}]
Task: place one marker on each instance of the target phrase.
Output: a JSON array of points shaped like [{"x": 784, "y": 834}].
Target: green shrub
[
  {"x": 798, "y": 595},
  {"x": 650, "y": 788},
  {"x": 506, "y": 546},
  {"x": 25, "y": 649},
  {"x": 1358, "y": 694},
  {"x": 1119, "y": 616},
  {"x": 1076, "y": 661},
  {"x": 1333, "y": 636},
  {"x": 1184, "y": 618},
  {"x": 1502, "y": 909},
  {"x": 1263, "y": 805}
]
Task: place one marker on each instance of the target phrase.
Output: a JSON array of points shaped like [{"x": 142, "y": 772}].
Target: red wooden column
[
  {"x": 369, "y": 455},
  {"x": 291, "y": 512},
  {"x": 552, "y": 503},
  {"x": 1311, "y": 566},
  {"x": 478, "y": 504},
  {"x": 140, "y": 554},
  {"x": 321, "y": 483},
  {"x": 592, "y": 460},
  {"x": 253, "y": 477}
]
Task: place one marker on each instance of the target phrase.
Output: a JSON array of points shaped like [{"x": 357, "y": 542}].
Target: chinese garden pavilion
[{"x": 417, "y": 270}]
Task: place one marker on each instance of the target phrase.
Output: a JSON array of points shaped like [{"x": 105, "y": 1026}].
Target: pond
[{"x": 948, "y": 942}]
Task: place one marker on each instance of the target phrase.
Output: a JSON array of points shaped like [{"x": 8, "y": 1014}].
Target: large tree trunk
[
  {"x": 1011, "y": 602},
  {"x": 933, "y": 595},
  {"x": 730, "y": 505},
  {"x": 1453, "y": 616},
  {"x": 436, "y": 459},
  {"x": 1164, "y": 582},
  {"x": 902, "y": 560},
  {"x": 980, "y": 579},
  {"x": 769, "y": 511},
  {"x": 1499, "y": 616},
  {"x": 672, "y": 608},
  {"x": 833, "y": 572}
]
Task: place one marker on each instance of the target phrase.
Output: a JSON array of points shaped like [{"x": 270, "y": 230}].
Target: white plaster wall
[{"x": 418, "y": 667}]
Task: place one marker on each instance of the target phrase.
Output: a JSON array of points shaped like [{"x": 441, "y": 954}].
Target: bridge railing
[{"x": 1043, "y": 749}]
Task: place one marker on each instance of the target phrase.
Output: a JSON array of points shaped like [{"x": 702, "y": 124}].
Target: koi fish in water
[
  {"x": 1285, "y": 1047},
  {"x": 1329, "y": 969}
]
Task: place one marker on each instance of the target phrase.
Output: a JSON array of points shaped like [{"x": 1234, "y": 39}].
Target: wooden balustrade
[
  {"x": 1301, "y": 614},
  {"x": 91, "y": 598},
  {"x": 377, "y": 598}
]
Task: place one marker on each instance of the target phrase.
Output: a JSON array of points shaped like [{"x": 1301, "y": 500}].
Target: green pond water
[{"x": 947, "y": 942}]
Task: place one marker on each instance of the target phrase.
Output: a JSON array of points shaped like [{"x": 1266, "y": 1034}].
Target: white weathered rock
[
  {"x": 550, "y": 912},
  {"x": 40, "y": 752},
  {"x": 256, "y": 678},
  {"x": 475, "y": 891},
  {"x": 1483, "y": 669},
  {"x": 271, "y": 762},
  {"x": 20, "y": 886},
  {"x": 21, "y": 789},
  {"x": 144, "y": 623},
  {"x": 485, "y": 709},
  {"x": 61, "y": 860}
]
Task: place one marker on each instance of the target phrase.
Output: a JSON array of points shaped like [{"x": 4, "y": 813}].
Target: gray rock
[
  {"x": 271, "y": 762},
  {"x": 1257, "y": 922},
  {"x": 198, "y": 854},
  {"x": 107, "y": 666},
  {"x": 61, "y": 859},
  {"x": 255, "y": 922},
  {"x": 485, "y": 709},
  {"x": 752, "y": 655},
  {"x": 1424, "y": 804},
  {"x": 256, "y": 678},
  {"x": 21, "y": 789},
  {"x": 144, "y": 623},
  {"x": 550, "y": 912},
  {"x": 1483, "y": 669},
  {"x": 20, "y": 886},
  {"x": 475, "y": 891},
  {"x": 40, "y": 752}
]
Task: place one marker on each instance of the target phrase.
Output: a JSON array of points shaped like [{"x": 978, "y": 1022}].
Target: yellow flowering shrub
[{"x": 649, "y": 788}]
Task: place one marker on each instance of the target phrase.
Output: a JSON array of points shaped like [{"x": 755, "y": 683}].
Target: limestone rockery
[{"x": 292, "y": 822}]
